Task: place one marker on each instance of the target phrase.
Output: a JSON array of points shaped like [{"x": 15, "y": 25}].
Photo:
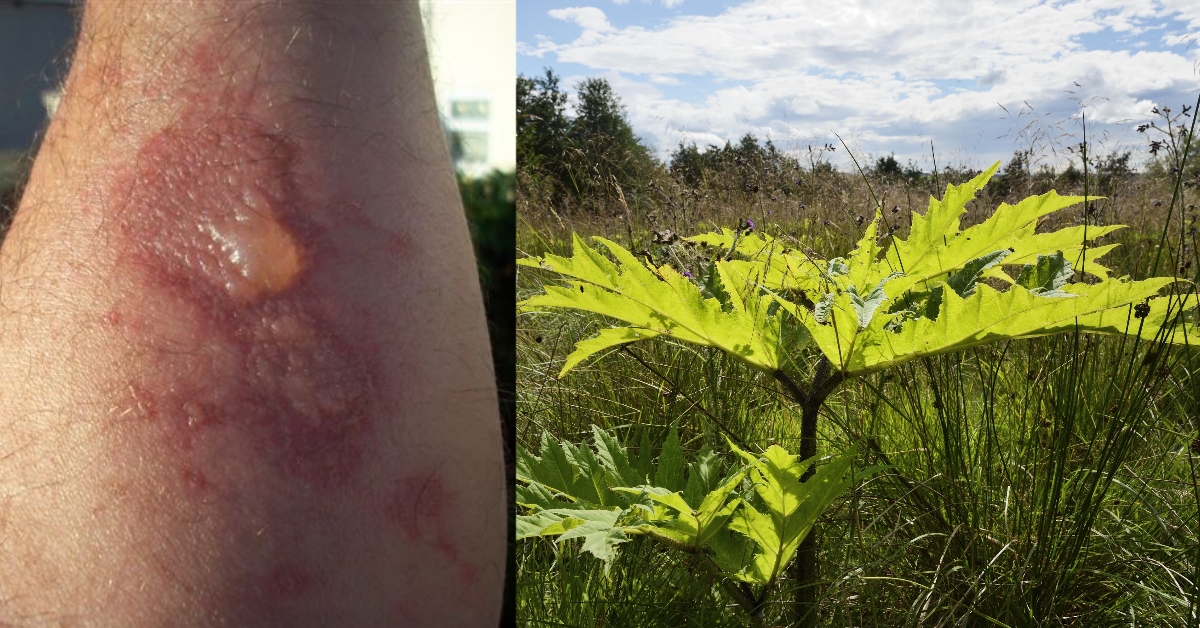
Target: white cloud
[
  {"x": 670, "y": 4},
  {"x": 592, "y": 20},
  {"x": 891, "y": 73}
]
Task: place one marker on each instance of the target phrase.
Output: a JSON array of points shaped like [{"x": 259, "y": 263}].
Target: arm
[{"x": 244, "y": 375}]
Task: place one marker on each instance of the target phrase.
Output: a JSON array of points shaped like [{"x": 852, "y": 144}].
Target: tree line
[
  {"x": 591, "y": 157},
  {"x": 594, "y": 156}
]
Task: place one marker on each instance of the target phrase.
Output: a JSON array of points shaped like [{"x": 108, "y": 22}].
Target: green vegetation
[
  {"x": 1025, "y": 480},
  {"x": 569, "y": 160},
  {"x": 573, "y": 493}
]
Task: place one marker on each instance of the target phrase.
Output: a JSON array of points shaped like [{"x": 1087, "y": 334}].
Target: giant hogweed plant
[{"x": 890, "y": 300}]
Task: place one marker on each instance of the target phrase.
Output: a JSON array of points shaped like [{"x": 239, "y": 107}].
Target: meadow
[{"x": 1046, "y": 481}]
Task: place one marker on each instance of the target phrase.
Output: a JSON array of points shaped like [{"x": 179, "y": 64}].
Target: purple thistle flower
[
  {"x": 687, "y": 274},
  {"x": 749, "y": 225}
]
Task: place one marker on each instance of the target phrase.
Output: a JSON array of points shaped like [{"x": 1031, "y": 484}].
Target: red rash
[
  {"x": 212, "y": 227},
  {"x": 420, "y": 507},
  {"x": 288, "y": 581}
]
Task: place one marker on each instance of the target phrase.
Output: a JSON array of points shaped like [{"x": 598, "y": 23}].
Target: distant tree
[
  {"x": 542, "y": 123},
  {"x": 1113, "y": 171},
  {"x": 599, "y": 111},
  {"x": 760, "y": 167},
  {"x": 604, "y": 148},
  {"x": 1019, "y": 165},
  {"x": 913, "y": 174},
  {"x": 749, "y": 160},
  {"x": 1071, "y": 176},
  {"x": 749, "y": 150},
  {"x": 1016, "y": 176},
  {"x": 689, "y": 165},
  {"x": 888, "y": 169}
]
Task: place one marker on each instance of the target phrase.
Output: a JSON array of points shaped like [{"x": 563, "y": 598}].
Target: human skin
[{"x": 244, "y": 372}]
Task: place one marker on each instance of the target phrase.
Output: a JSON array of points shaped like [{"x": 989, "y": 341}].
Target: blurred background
[{"x": 33, "y": 36}]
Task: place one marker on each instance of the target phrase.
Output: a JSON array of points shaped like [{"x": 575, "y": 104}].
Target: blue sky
[{"x": 977, "y": 79}]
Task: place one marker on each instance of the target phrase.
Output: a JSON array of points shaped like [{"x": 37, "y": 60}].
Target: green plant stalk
[{"x": 805, "y": 570}]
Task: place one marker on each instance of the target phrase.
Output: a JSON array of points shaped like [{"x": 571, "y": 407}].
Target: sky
[{"x": 976, "y": 79}]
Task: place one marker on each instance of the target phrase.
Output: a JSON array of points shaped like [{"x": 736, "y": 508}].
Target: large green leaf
[
  {"x": 1165, "y": 320},
  {"x": 568, "y": 470},
  {"x": 688, "y": 525},
  {"x": 702, "y": 476},
  {"x": 698, "y": 514},
  {"x": 940, "y": 303},
  {"x": 988, "y": 315},
  {"x": 670, "y": 463},
  {"x": 936, "y": 247},
  {"x": 599, "y": 529},
  {"x": 570, "y": 491},
  {"x": 606, "y": 339},
  {"x": 658, "y": 302},
  {"x": 924, "y": 254},
  {"x": 780, "y": 267},
  {"x": 791, "y": 508},
  {"x": 1070, "y": 241},
  {"x": 615, "y": 459}
]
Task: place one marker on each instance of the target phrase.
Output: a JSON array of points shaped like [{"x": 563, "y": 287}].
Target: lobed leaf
[
  {"x": 670, "y": 463},
  {"x": 659, "y": 302},
  {"x": 599, "y": 529},
  {"x": 936, "y": 247},
  {"x": 613, "y": 455},
  {"x": 1166, "y": 320},
  {"x": 571, "y": 492},
  {"x": 1047, "y": 275},
  {"x": 692, "y": 526},
  {"x": 792, "y": 508},
  {"x": 779, "y": 267},
  {"x": 751, "y": 545},
  {"x": 989, "y": 315}
]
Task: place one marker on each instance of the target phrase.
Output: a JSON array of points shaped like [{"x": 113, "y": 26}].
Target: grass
[{"x": 1044, "y": 482}]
